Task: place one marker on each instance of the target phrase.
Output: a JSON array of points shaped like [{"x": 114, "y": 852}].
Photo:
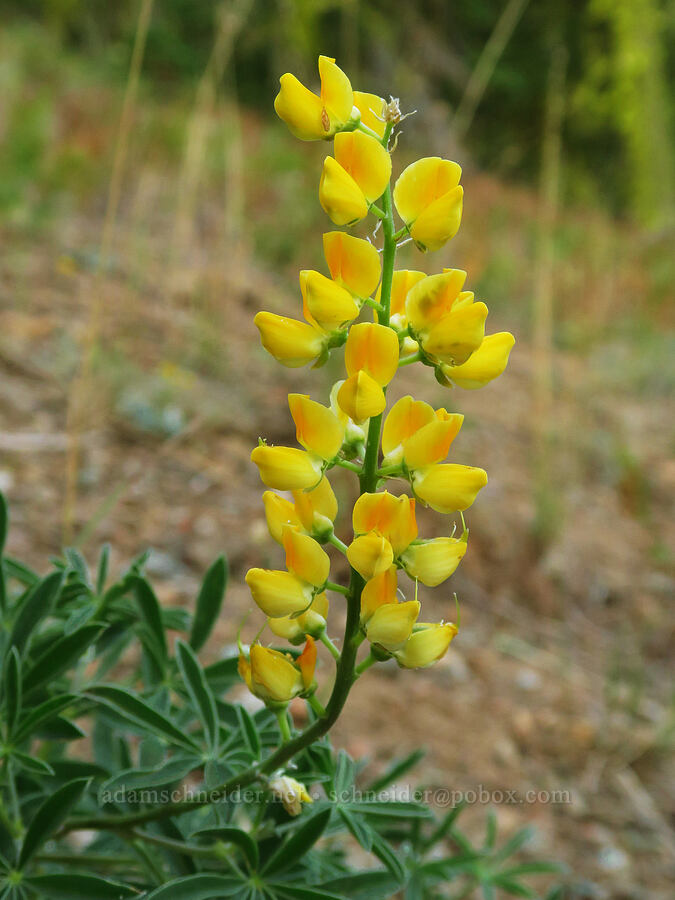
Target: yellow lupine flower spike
[
  {"x": 392, "y": 623},
  {"x": 305, "y": 557},
  {"x": 448, "y": 487},
  {"x": 278, "y": 593},
  {"x": 426, "y": 645},
  {"x": 373, "y": 349},
  {"x": 274, "y": 678},
  {"x": 392, "y": 517},
  {"x": 355, "y": 178},
  {"x": 370, "y": 554},
  {"x": 372, "y": 109},
  {"x": 428, "y": 197},
  {"x": 433, "y": 561},
  {"x": 295, "y": 628},
  {"x": 484, "y": 364},
  {"x": 361, "y": 397},
  {"x": 380, "y": 589},
  {"x": 289, "y": 341},
  {"x": 313, "y": 118},
  {"x": 287, "y": 468},
  {"x": 329, "y": 304},
  {"x": 317, "y": 427},
  {"x": 316, "y": 508},
  {"x": 353, "y": 262}
]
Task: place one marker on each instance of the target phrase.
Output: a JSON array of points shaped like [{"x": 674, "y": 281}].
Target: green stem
[
  {"x": 330, "y": 646},
  {"x": 388, "y": 471},
  {"x": 338, "y": 588},
  {"x": 348, "y": 465},
  {"x": 177, "y": 846},
  {"x": 410, "y": 359},
  {"x": 318, "y": 707},
  {"x": 372, "y": 303},
  {"x": 366, "y": 664},
  {"x": 336, "y": 542},
  {"x": 284, "y": 727}
]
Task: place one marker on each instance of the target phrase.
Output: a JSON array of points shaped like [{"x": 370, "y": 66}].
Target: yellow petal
[
  {"x": 340, "y": 196},
  {"x": 360, "y": 397},
  {"x": 426, "y": 645},
  {"x": 402, "y": 281},
  {"x": 370, "y": 554},
  {"x": 485, "y": 363},
  {"x": 353, "y": 263},
  {"x": 432, "y": 298},
  {"x": 378, "y": 590},
  {"x": 278, "y": 593},
  {"x": 405, "y": 418},
  {"x": 373, "y": 349},
  {"x": 305, "y": 557},
  {"x": 244, "y": 669},
  {"x": 432, "y": 442},
  {"x": 317, "y": 427},
  {"x": 279, "y": 512},
  {"x": 457, "y": 335},
  {"x": 316, "y": 508},
  {"x": 307, "y": 662},
  {"x": 291, "y": 793},
  {"x": 287, "y": 468},
  {"x": 312, "y": 621},
  {"x": 433, "y": 561},
  {"x": 301, "y": 110},
  {"x": 439, "y": 222},
  {"x": 392, "y": 517},
  {"x": 422, "y": 183},
  {"x": 392, "y": 624},
  {"x": 330, "y": 305},
  {"x": 372, "y": 109},
  {"x": 449, "y": 487},
  {"x": 366, "y": 160},
  {"x": 273, "y": 675},
  {"x": 336, "y": 93},
  {"x": 289, "y": 341}
]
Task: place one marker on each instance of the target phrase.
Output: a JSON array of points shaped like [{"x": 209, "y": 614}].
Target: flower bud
[
  {"x": 291, "y": 793},
  {"x": 484, "y": 364},
  {"x": 290, "y": 342},
  {"x": 428, "y": 198},
  {"x": 361, "y": 397},
  {"x": 317, "y": 508},
  {"x": 274, "y": 677},
  {"x": 426, "y": 645},
  {"x": 278, "y": 593},
  {"x": 305, "y": 557},
  {"x": 392, "y": 623},
  {"x": 295, "y": 628},
  {"x": 355, "y": 178},
  {"x": 287, "y": 468},
  {"x": 330, "y": 305},
  {"x": 433, "y": 561},
  {"x": 318, "y": 429},
  {"x": 448, "y": 487},
  {"x": 380, "y": 589},
  {"x": 279, "y": 512}
]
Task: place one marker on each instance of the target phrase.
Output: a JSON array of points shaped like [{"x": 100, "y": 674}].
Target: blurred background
[{"x": 151, "y": 203}]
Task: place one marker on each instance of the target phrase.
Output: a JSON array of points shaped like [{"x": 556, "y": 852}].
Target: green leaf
[
  {"x": 387, "y": 855},
  {"x": 49, "y": 817},
  {"x": 393, "y": 809},
  {"x": 536, "y": 867},
  {"x": 397, "y": 769},
  {"x": 361, "y": 831},
  {"x": 59, "y": 729},
  {"x": 102, "y": 573},
  {"x": 343, "y": 782},
  {"x": 31, "y": 764},
  {"x": 136, "y": 710},
  {"x": 71, "y": 886},
  {"x": 369, "y": 885},
  {"x": 139, "y": 779},
  {"x": 209, "y": 602},
  {"x": 513, "y": 887},
  {"x": 241, "y": 839},
  {"x": 199, "y": 691},
  {"x": 44, "y": 711},
  {"x": 4, "y": 528},
  {"x": 223, "y": 673},
  {"x": 491, "y": 830},
  {"x": 198, "y": 887},
  {"x": 78, "y": 564},
  {"x": 514, "y": 843},
  {"x": 12, "y": 688},
  {"x": 152, "y": 616},
  {"x": 249, "y": 731},
  {"x": 295, "y": 892},
  {"x": 301, "y": 840},
  {"x": 445, "y": 825},
  {"x": 15, "y": 569},
  {"x": 36, "y": 606},
  {"x": 60, "y": 656}
]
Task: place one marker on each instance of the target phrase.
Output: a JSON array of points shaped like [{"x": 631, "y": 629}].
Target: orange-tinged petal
[
  {"x": 372, "y": 109},
  {"x": 273, "y": 675},
  {"x": 340, "y": 196},
  {"x": 457, "y": 335},
  {"x": 317, "y": 427},
  {"x": 353, "y": 262},
  {"x": 426, "y": 645},
  {"x": 432, "y": 298},
  {"x": 336, "y": 92},
  {"x": 279, "y": 512},
  {"x": 370, "y": 554},
  {"x": 373, "y": 349},
  {"x": 287, "y": 468},
  {"x": 485, "y": 363},
  {"x": 329, "y": 305},
  {"x": 423, "y": 182},
  {"x": 317, "y": 508},
  {"x": 244, "y": 669},
  {"x": 402, "y": 281},
  {"x": 378, "y": 590},
  {"x": 278, "y": 593},
  {"x": 290, "y": 342},
  {"x": 392, "y": 623},
  {"x": 439, "y": 222},
  {"x": 301, "y": 110},
  {"x": 305, "y": 557},
  {"x": 312, "y": 622},
  {"x": 391, "y": 516},
  {"x": 405, "y": 418},
  {"x": 361, "y": 397},
  {"x": 366, "y": 160},
  {"x": 449, "y": 487},
  {"x": 435, "y": 560},
  {"x": 432, "y": 442},
  {"x": 307, "y": 662}
]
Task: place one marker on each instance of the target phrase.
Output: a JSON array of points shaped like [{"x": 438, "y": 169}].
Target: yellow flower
[
  {"x": 370, "y": 554},
  {"x": 291, "y": 793},
  {"x": 415, "y": 432},
  {"x": 317, "y": 428},
  {"x": 279, "y": 512},
  {"x": 355, "y": 178},
  {"x": 307, "y": 662},
  {"x": 390, "y": 516},
  {"x": 287, "y": 468},
  {"x": 313, "y": 118},
  {"x": 278, "y": 593},
  {"x": 457, "y": 335},
  {"x": 448, "y": 487},
  {"x": 373, "y": 349},
  {"x": 304, "y": 557},
  {"x": 290, "y": 342},
  {"x": 404, "y": 419},
  {"x": 329, "y": 305},
  {"x": 402, "y": 282},
  {"x": 391, "y": 624},
  {"x": 354, "y": 263},
  {"x": 372, "y": 109},
  {"x": 484, "y": 364},
  {"x": 428, "y": 198},
  {"x": 432, "y": 442},
  {"x": 380, "y": 589},
  {"x": 433, "y": 561},
  {"x": 316, "y": 508},
  {"x": 433, "y": 297},
  {"x": 426, "y": 645},
  {"x": 361, "y": 397},
  {"x": 295, "y": 628},
  {"x": 274, "y": 678}
]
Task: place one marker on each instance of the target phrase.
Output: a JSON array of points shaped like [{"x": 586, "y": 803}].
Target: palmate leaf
[
  {"x": 71, "y": 886},
  {"x": 31, "y": 764},
  {"x": 237, "y": 836},
  {"x": 396, "y": 770},
  {"x": 60, "y": 656},
  {"x": 199, "y": 692},
  {"x": 139, "y": 779},
  {"x": 209, "y": 603},
  {"x": 37, "y": 605},
  {"x": 42, "y": 713},
  {"x": 299, "y": 842},
  {"x": 369, "y": 885},
  {"x": 49, "y": 817},
  {"x": 198, "y": 887}
]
